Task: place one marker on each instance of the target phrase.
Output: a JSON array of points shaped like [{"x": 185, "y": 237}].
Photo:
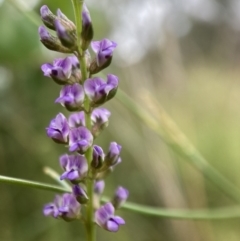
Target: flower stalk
[{"x": 89, "y": 224}]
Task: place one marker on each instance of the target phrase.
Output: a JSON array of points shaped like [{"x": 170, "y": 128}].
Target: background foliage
[{"x": 186, "y": 54}]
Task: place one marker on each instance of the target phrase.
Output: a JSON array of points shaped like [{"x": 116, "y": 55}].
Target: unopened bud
[
  {"x": 120, "y": 197},
  {"x": 51, "y": 42},
  {"x": 80, "y": 194},
  {"x": 113, "y": 154},
  {"x": 47, "y": 17},
  {"x": 66, "y": 36},
  {"x": 98, "y": 157},
  {"x": 87, "y": 28}
]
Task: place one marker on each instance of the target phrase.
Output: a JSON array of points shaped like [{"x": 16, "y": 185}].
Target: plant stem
[
  {"x": 201, "y": 214},
  {"x": 90, "y": 226},
  {"x": 37, "y": 185}
]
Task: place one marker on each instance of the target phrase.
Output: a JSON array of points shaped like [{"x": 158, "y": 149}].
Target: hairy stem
[{"x": 90, "y": 226}]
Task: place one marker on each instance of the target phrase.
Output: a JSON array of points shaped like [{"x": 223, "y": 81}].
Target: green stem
[
  {"x": 37, "y": 185},
  {"x": 90, "y": 226},
  {"x": 201, "y": 214}
]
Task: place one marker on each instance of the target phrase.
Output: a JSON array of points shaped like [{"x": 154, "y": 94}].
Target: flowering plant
[
  {"x": 85, "y": 165},
  {"x": 83, "y": 94}
]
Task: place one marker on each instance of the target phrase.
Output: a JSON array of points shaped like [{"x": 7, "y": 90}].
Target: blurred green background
[{"x": 186, "y": 53}]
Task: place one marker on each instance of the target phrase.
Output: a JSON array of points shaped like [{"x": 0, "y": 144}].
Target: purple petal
[
  {"x": 43, "y": 33},
  {"x": 95, "y": 46},
  {"x": 112, "y": 226},
  {"x": 63, "y": 160},
  {"x": 101, "y": 217},
  {"x": 70, "y": 175},
  {"x": 77, "y": 119},
  {"x": 119, "y": 220},
  {"x": 112, "y": 80},
  {"x": 109, "y": 209}
]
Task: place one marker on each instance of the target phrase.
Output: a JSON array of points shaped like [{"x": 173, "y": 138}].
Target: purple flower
[
  {"x": 120, "y": 196},
  {"x": 65, "y": 207},
  {"x": 76, "y": 119},
  {"x": 75, "y": 167},
  {"x": 64, "y": 33},
  {"x": 104, "y": 51},
  {"x": 58, "y": 129},
  {"x": 80, "y": 139},
  {"x": 105, "y": 218},
  {"x": 71, "y": 97},
  {"x": 99, "y": 119},
  {"x": 112, "y": 156},
  {"x": 99, "y": 187},
  {"x": 98, "y": 157},
  {"x": 80, "y": 194},
  {"x": 99, "y": 91},
  {"x": 60, "y": 70}
]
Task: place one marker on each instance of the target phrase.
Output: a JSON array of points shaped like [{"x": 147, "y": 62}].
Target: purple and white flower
[
  {"x": 65, "y": 207},
  {"x": 58, "y": 129},
  {"x": 71, "y": 97},
  {"x": 75, "y": 167},
  {"x": 80, "y": 139},
  {"x": 104, "y": 217},
  {"x": 60, "y": 71},
  {"x": 104, "y": 51},
  {"x": 77, "y": 119},
  {"x": 99, "y": 91}
]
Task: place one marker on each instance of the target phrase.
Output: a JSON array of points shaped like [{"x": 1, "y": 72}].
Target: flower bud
[
  {"x": 66, "y": 21},
  {"x": 99, "y": 187},
  {"x": 120, "y": 197},
  {"x": 80, "y": 194},
  {"x": 51, "y": 42},
  {"x": 47, "y": 17},
  {"x": 87, "y": 29},
  {"x": 113, "y": 154},
  {"x": 66, "y": 35},
  {"x": 98, "y": 157}
]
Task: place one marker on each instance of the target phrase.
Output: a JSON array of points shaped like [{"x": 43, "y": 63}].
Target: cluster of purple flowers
[{"x": 72, "y": 131}]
